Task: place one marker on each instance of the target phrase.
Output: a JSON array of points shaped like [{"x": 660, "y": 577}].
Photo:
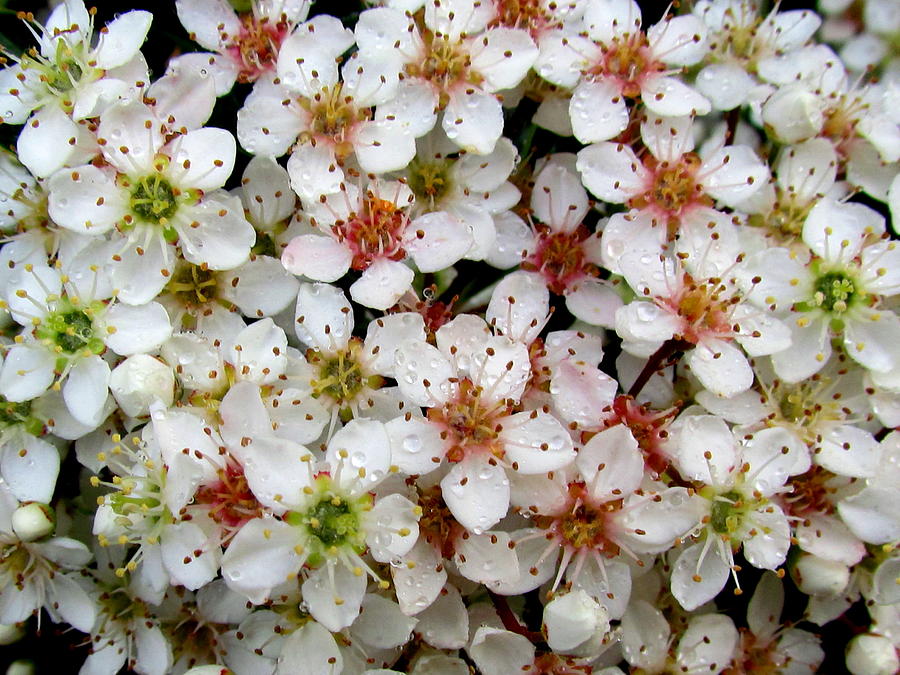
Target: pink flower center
[
  {"x": 375, "y": 233},
  {"x": 583, "y": 526},
  {"x": 230, "y": 500},
  {"x": 703, "y": 310},
  {"x": 629, "y": 61},
  {"x": 255, "y": 48},
  {"x": 470, "y": 422},
  {"x": 559, "y": 257}
]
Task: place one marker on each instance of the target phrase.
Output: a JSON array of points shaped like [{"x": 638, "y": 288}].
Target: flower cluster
[{"x": 486, "y": 336}]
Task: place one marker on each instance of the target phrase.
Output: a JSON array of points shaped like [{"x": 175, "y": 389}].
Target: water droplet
[
  {"x": 357, "y": 459},
  {"x": 412, "y": 444}
]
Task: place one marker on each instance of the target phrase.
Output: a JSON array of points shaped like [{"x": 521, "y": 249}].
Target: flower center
[
  {"x": 192, "y": 285},
  {"x": 72, "y": 330},
  {"x": 153, "y": 200},
  {"x": 583, "y": 526},
  {"x": 559, "y": 257},
  {"x": 527, "y": 14},
  {"x": 429, "y": 181},
  {"x": 340, "y": 375},
  {"x": 834, "y": 291},
  {"x": 333, "y": 117},
  {"x": 375, "y": 233},
  {"x": 811, "y": 492},
  {"x": 729, "y": 510},
  {"x": 437, "y": 524},
  {"x": 255, "y": 48},
  {"x": 649, "y": 428},
  {"x": 333, "y": 521},
  {"x": 628, "y": 60},
  {"x": 675, "y": 185},
  {"x": 15, "y": 414},
  {"x": 230, "y": 499},
  {"x": 470, "y": 422},
  {"x": 445, "y": 65},
  {"x": 703, "y": 310}
]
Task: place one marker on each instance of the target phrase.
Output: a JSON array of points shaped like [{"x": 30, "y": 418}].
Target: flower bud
[
  {"x": 872, "y": 655},
  {"x": 794, "y": 113},
  {"x": 21, "y": 667},
  {"x": 818, "y": 576},
  {"x": 33, "y": 521},
  {"x": 140, "y": 379},
  {"x": 573, "y": 618},
  {"x": 10, "y": 633}
]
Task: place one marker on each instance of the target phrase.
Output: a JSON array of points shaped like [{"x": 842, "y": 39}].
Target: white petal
[
  {"x": 259, "y": 353},
  {"x": 48, "y": 128},
  {"x": 558, "y": 198},
  {"x": 415, "y": 444},
  {"x": 310, "y": 650},
  {"x": 610, "y": 19},
  {"x": 368, "y": 450},
  {"x": 830, "y": 224},
  {"x": 27, "y": 372},
  {"x": 597, "y": 111},
  {"x": 136, "y": 329},
  {"x": 679, "y": 40},
  {"x": 382, "y": 284},
  {"x": 202, "y": 158},
  {"x": 725, "y": 85},
  {"x": 86, "y": 389},
  {"x": 445, "y": 241},
  {"x": 485, "y": 558},
  {"x": 180, "y": 541},
  {"x": 399, "y": 531},
  {"x": 500, "y": 652},
  {"x": 706, "y": 450},
  {"x": 423, "y": 373},
  {"x": 219, "y": 236},
  {"x": 707, "y": 645},
  {"x": 207, "y": 20},
  {"x": 572, "y": 619},
  {"x": 670, "y": 97},
  {"x": 611, "y": 464},
  {"x": 73, "y": 604},
  {"x": 536, "y": 442},
  {"x": 324, "y": 320},
  {"x": 473, "y": 121},
  {"x": 849, "y": 451},
  {"x": 503, "y": 56},
  {"x": 810, "y": 349},
  {"x": 30, "y": 467},
  {"x": 694, "y": 584},
  {"x": 419, "y": 581},
  {"x": 121, "y": 39},
  {"x": 335, "y": 604},
  {"x": 445, "y": 624},
  {"x": 260, "y": 557},
  {"x": 767, "y": 545},
  {"x": 870, "y": 339},
  {"x": 612, "y": 172},
  {"x": 721, "y": 367},
  {"x": 477, "y": 493},
  {"x": 317, "y": 257},
  {"x": 86, "y": 200},
  {"x": 385, "y": 334},
  {"x": 381, "y": 624}
]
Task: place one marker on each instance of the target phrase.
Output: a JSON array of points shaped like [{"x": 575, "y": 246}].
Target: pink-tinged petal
[
  {"x": 317, "y": 257},
  {"x": 829, "y": 538},
  {"x": 611, "y": 464},
  {"x": 201, "y": 159},
  {"x": 122, "y": 39},
  {"x": 477, "y": 493},
  {"x": 733, "y": 173},
  {"x": 695, "y": 581},
  {"x": 382, "y": 284},
  {"x": 486, "y": 558},
  {"x": 48, "y": 128},
  {"x": 500, "y": 652},
  {"x": 558, "y": 198},
  {"x": 679, "y": 40},
  {"x": 473, "y": 121},
  {"x": 597, "y": 111},
  {"x": 217, "y": 235},
  {"x": 261, "y": 556},
  {"x": 334, "y": 595},
  {"x": 870, "y": 339},
  {"x": 721, "y": 367},
  {"x": 535, "y": 443},
  {"x": 423, "y": 373},
  {"x": 30, "y": 467},
  {"x": 445, "y": 625},
  {"x": 207, "y": 21},
  {"x": 392, "y": 527},
  {"x": 670, "y": 97},
  {"x": 612, "y": 172},
  {"x": 445, "y": 240},
  {"x": 86, "y": 200},
  {"x": 581, "y": 394},
  {"x": 419, "y": 584},
  {"x": 594, "y": 301},
  {"x": 503, "y": 56},
  {"x": 768, "y": 539},
  {"x": 706, "y": 450},
  {"x": 310, "y": 650},
  {"x": 835, "y": 231},
  {"x": 609, "y": 19},
  {"x": 86, "y": 389}
]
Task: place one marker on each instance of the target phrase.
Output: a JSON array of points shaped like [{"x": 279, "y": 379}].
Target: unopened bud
[
  {"x": 138, "y": 381},
  {"x": 33, "y": 521},
  {"x": 872, "y": 655},
  {"x": 10, "y": 632}
]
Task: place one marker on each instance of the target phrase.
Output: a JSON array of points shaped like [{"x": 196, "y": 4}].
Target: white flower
[
  {"x": 454, "y": 63},
  {"x": 67, "y": 79},
  {"x": 154, "y": 193}
]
